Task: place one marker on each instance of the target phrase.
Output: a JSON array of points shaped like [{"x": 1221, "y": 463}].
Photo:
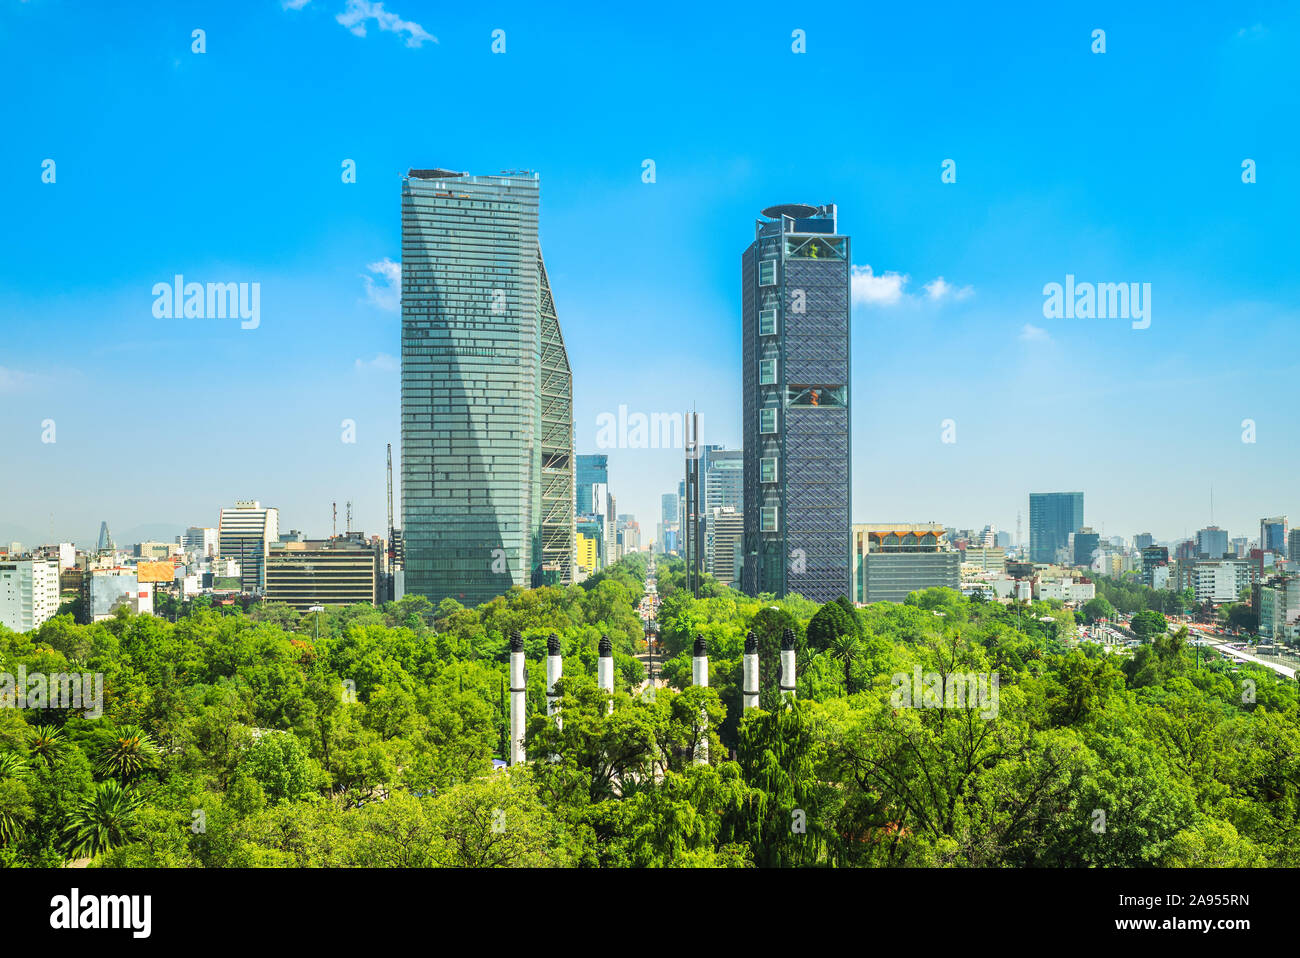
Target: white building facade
[{"x": 29, "y": 593}]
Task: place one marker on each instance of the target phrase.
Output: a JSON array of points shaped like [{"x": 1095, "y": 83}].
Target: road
[
  {"x": 646, "y": 609},
  {"x": 1236, "y": 655}
]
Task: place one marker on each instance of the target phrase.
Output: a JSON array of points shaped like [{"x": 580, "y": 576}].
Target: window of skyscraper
[{"x": 832, "y": 396}]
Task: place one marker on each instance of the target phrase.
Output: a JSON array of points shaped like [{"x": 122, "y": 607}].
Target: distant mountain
[{"x": 89, "y": 539}]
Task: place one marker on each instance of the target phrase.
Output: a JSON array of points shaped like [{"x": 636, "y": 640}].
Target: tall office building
[
  {"x": 723, "y": 479},
  {"x": 797, "y": 440},
  {"x": 666, "y": 533},
  {"x": 1153, "y": 557},
  {"x": 1272, "y": 535},
  {"x": 1087, "y": 546},
  {"x": 592, "y": 470},
  {"x": 1212, "y": 542},
  {"x": 1293, "y": 545},
  {"x": 1142, "y": 540},
  {"x": 487, "y": 393},
  {"x": 244, "y": 534},
  {"x": 726, "y": 543},
  {"x": 1052, "y": 517}
]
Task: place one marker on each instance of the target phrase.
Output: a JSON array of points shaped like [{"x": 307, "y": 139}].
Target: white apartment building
[
  {"x": 1005, "y": 587},
  {"x": 1066, "y": 589},
  {"x": 1217, "y": 582},
  {"x": 29, "y": 593}
]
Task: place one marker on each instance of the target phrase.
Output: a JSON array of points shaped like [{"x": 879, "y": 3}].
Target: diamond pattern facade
[{"x": 797, "y": 525}]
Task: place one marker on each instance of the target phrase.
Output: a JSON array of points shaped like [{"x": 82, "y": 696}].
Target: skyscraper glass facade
[
  {"x": 1052, "y": 517},
  {"x": 797, "y": 451},
  {"x": 487, "y": 393},
  {"x": 1272, "y": 534},
  {"x": 592, "y": 470}
]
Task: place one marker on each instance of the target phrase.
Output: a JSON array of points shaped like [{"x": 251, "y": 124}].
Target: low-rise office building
[
  {"x": 339, "y": 571},
  {"x": 891, "y": 560}
]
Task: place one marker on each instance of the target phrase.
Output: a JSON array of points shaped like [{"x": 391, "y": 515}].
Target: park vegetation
[{"x": 373, "y": 736}]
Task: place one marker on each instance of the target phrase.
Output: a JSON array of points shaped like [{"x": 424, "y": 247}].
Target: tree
[
  {"x": 769, "y": 624},
  {"x": 105, "y": 820},
  {"x": 130, "y": 753},
  {"x": 496, "y": 822},
  {"x": 1148, "y": 623},
  {"x": 1098, "y": 608},
  {"x": 780, "y": 815},
  {"x": 280, "y": 764},
  {"x": 15, "y": 799},
  {"x": 846, "y": 649},
  {"x": 829, "y": 623},
  {"x": 1243, "y": 618}
]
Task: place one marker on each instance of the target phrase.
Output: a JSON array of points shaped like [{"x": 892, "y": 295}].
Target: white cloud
[
  {"x": 939, "y": 289},
  {"x": 1029, "y": 333},
  {"x": 382, "y": 363},
  {"x": 890, "y": 289},
  {"x": 359, "y": 11},
  {"x": 389, "y": 295},
  {"x": 294, "y": 4},
  {"x": 870, "y": 289}
]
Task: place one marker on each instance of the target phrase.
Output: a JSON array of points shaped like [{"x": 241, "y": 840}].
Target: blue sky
[{"x": 225, "y": 166}]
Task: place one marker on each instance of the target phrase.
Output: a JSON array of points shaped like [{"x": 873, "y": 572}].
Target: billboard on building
[{"x": 155, "y": 572}]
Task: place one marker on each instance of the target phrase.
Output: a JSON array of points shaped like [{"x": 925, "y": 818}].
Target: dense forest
[{"x": 364, "y": 736}]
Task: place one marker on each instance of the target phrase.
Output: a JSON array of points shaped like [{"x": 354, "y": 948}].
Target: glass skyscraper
[
  {"x": 797, "y": 446},
  {"x": 1272, "y": 535},
  {"x": 487, "y": 392},
  {"x": 592, "y": 471},
  {"x": 1052, "y": 517}
]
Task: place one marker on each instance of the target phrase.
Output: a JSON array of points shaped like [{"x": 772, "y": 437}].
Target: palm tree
[
  {"x": 103, "y": 820},
  {"x": 846, "y": 648},
  {"x": 131, "y": 753},
  {"x": 11, "y": 767},
  {"x": 47, "y": 742}
]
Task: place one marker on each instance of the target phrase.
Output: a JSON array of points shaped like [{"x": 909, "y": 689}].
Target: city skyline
[{"x": 86, "y": 351}]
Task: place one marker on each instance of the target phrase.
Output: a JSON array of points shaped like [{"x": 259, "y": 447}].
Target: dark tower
[{"x": 796, "y": 422}]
